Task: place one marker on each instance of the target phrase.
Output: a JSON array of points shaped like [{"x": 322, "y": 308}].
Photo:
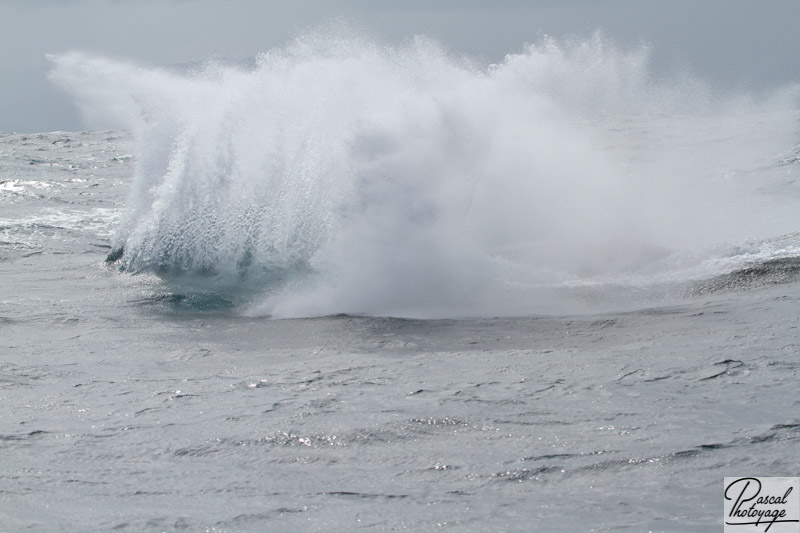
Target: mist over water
[{"x": 344, "y": 175}]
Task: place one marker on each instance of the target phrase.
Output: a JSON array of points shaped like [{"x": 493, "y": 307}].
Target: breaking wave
[{"x": 339, "y": 174}]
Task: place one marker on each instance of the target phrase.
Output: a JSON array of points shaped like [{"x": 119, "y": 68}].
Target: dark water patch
[
  {"x": 363, "y": 495},
  {"x": 84, "y": 482},
  {"x": 15, "y": 375},
  {"x": 786, "y": 427},
  {"x": 584, "y": 464},
  {"x": 659, "y": 378},
  {"x": 196, "y": 451},
  {"x": 561, "y": 456},
  {"x": 777, "y": 433},
  {"x": 558, "y": 465},
  {"x": 663, "y": 311},
  {"x": 721, "y": 369},
  {"x": 729, "y": 367},
  {"x": 258, "y": 518},
  {"x": 115, "y": 255},
  {"x": 755, "y": 276},
  {"x": 605, "y": 323},
  {"x": 638, "y": 373},
  {"x": 42, "y": 226},
  {"x": 37, "y": 433},
  {"x": 189, "y": 302},
  {"x": 148, "y": 493},
  {"x": 283, "y": 510},
  {"x": 698, "y": 451}
]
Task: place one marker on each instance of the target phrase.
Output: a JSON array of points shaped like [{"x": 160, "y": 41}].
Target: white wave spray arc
[{"x": 341, "y": 175}]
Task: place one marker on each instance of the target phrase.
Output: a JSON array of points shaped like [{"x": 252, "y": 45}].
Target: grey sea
[
  {"x": 128, "y": 409},
  {"x": 186, "y": 347}
]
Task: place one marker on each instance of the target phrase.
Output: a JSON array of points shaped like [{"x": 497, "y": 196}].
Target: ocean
[{"x": 352, "y": 286}]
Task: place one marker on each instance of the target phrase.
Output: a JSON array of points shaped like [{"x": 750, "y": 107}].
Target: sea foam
[{"x": 339, "y": 174}]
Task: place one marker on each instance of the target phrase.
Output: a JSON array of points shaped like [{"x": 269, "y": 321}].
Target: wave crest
[{"x": 341, "y": 175}]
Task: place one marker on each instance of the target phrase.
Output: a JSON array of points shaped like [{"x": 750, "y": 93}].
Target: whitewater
[{"x": 357, "y": 285}]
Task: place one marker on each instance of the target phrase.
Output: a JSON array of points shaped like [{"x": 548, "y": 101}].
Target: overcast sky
[{"x": 742, "y": 44}]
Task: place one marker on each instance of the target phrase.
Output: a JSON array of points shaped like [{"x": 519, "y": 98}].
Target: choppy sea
[{"x": 408, "y": 307}]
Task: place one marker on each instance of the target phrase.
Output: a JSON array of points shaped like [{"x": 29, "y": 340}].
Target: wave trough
[{"x": 343, "y": 175}]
